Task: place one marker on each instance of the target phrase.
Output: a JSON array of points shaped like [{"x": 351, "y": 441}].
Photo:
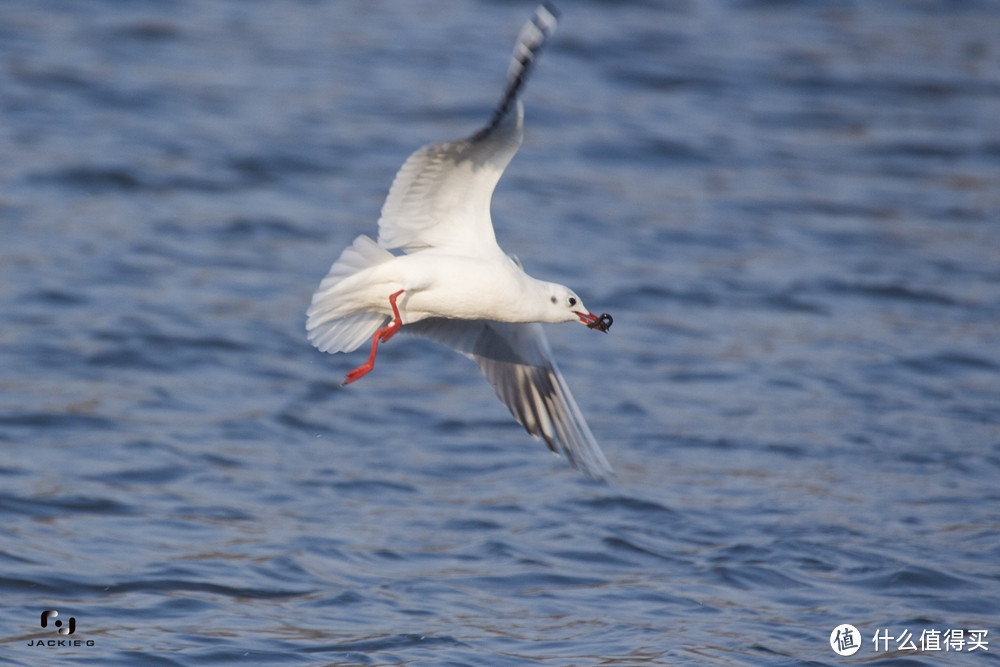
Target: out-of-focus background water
[{"x": 792, "y": 209}]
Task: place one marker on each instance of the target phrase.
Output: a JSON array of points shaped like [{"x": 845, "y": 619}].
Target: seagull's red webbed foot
[
  {"x": 381, "y": 336},
  {"x": 359, "y": 372}
]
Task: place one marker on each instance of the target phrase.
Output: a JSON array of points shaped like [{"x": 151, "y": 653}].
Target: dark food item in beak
[{"x": 602, "y": 323}]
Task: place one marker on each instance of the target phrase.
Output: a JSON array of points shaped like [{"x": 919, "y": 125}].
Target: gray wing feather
[
  {"x": 517, "y": 361},
  {"x": 441, "y": 196}
]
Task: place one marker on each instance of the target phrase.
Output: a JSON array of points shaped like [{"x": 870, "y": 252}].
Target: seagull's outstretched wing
[
  {"x": 518, "y": 363},
  {"x": 441, "y": 196}
]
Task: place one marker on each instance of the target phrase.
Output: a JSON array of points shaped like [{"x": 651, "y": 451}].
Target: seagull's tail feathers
[{"x": 332, "y": 323}]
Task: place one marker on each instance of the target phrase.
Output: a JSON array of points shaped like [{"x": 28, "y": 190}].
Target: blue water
[{"x": 792, "y": 210}]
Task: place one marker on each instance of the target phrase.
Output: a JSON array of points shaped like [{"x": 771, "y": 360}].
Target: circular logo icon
[{"x": 845, "y": 639}]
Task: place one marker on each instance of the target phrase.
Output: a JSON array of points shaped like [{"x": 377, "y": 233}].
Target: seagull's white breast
[{"x": 467, "y": 288}]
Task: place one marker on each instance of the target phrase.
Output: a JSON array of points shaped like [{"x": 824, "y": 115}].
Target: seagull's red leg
[{"x": 382, "y": 335}]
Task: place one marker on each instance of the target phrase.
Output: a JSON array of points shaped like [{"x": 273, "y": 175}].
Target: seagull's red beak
[{"x": 600, "y": 322}]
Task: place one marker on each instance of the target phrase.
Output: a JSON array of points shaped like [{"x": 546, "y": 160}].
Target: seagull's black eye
[{"x": 572, "y": 301}]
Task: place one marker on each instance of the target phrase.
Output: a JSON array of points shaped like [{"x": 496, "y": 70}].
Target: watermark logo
[
  {"x": 70, "y": 627},
  {"x": 845, "y": 639},
  {"x": 50, "y": 621}
]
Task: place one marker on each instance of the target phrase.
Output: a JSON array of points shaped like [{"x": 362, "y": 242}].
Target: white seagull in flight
[{"x": 453, "y": 283}]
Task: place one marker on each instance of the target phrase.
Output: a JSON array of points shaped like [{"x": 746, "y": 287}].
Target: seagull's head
[{"x": 566, "y": 306}]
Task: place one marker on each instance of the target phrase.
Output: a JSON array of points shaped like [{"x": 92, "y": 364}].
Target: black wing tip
[
  {"x": 526, "y": 50},
  {"x": 545, "y": 17}
]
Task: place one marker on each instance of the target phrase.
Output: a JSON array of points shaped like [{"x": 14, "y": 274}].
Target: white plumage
[{"x": 453, "y": 283}]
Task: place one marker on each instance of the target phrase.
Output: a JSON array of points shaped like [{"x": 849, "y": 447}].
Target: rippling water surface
[{"x": 791, "y": 209}]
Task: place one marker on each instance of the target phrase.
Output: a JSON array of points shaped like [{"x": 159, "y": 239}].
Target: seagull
[{"x": 454, "y": 285}]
